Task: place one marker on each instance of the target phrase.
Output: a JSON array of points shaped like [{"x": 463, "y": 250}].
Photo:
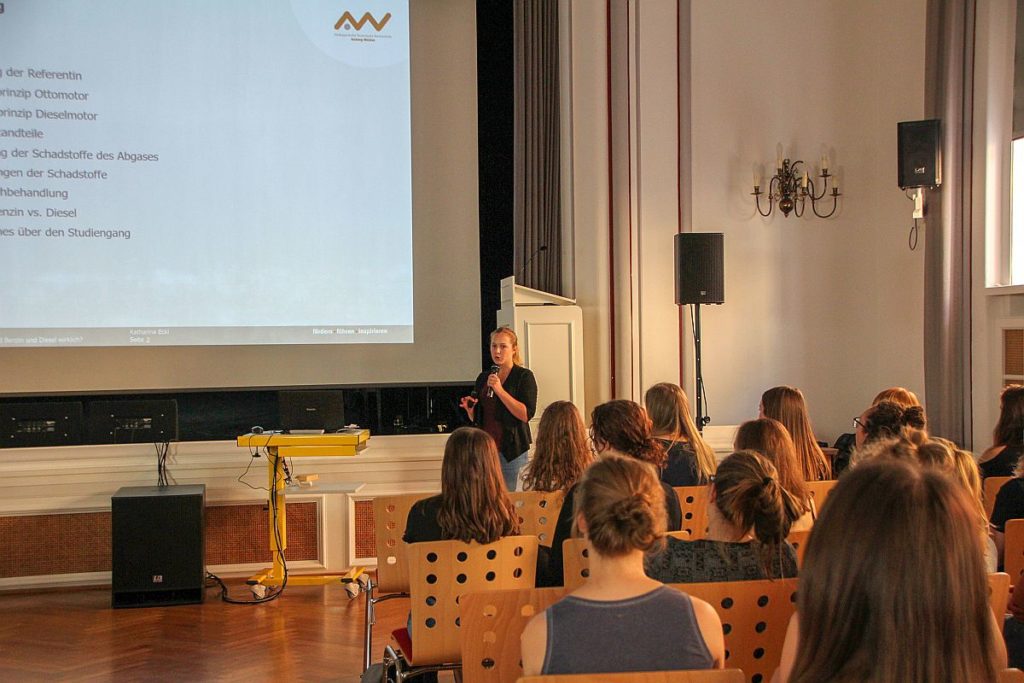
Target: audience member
[
  {"x": 622, "y": 428},
  {"x": 691, "y": 462},
  {"x": 885, "y": 420},
  {"x": 561, "y": 453},
  {"x": 846, "y": 443},
  {"x": 749, "y": 517},
  {"x": 621, "y": 620},
  {"x": 474, "y": 503},
  {"x": 965, "y": 471},
  {"x": 1009, "y": 504},
  {"x": 880, "y": 598},
  {"x": 1008, "y": 437},
  {"x": 787, "y": 405},
  {"x": 770, "y": 438}
]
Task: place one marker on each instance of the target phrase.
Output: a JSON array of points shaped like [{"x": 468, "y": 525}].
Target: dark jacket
[{"x": 515, "y": 434}]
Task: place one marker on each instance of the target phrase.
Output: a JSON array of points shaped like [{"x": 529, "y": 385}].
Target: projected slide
[{"x": 205, "y": 173}]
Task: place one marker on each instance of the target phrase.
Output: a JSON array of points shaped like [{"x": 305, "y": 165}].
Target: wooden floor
[{"x": 311, "y": 633}]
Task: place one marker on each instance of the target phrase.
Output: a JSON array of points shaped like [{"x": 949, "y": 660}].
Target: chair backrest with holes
[
  {"x": 999, "y": 594},
  {"x": 990, "y": 489},
  {"x": 798, "y": 539},
  {"x": 538, "y": 512},
  {"x": 712, "y": 676},
  {"x": 754, "y": 616},
  {"x": 492, "y": 623},
  {"x": 1013, "y": 553},
  {"x": 819, "y": 492},
  {"x": 693, "y": 500},
  {"x": 390, "y": 514},
  {"x": 442, "y": 571},
  {"x": 575, "y": 562}
]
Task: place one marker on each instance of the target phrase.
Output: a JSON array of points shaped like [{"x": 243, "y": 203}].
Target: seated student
[
  {"x": 622, "y": 428},
  {"x": 787, "y": 405},
  {"x": 771, "y": 439},
  {"x": 560, "y": 453},
  {"x": 473, "y": 504},
  {"x": 691, "y": 462},
  {"x": 749, "y": 516},
  {"x": 905, "y": 398},
  {"x": 880, "y": 598},
  {"x": 621, "y": 620},
  {"x": 886, "y": 420},
  {"x": 1000, "y": 460},
  {"x": 1009, "y": 505}
]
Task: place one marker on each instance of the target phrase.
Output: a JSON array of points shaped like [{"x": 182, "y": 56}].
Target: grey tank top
[{"x": 656, "y": 631}]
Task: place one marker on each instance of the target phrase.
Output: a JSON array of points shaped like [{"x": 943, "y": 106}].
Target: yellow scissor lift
[{"x": 279, "y": 447}]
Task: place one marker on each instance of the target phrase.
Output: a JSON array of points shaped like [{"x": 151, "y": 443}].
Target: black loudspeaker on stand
[{"x": 700, "y": 279}]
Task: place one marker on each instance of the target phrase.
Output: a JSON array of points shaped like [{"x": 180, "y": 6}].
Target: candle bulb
[
  {"x": 824, "y": 162},
  {"x": 803, "y": 181}
]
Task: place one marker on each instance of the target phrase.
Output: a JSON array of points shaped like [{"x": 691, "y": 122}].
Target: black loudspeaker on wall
[
  {"x": 157, "y": 545},
  {"x": 700, "y": 273},
  {"x": 920, "y": 153}
]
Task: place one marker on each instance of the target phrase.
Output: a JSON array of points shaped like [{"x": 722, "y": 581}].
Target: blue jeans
[{"x": 510, "y": 469}]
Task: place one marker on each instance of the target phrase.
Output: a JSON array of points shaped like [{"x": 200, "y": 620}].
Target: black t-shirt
[
  {"x": 422, "y": 524},
  {"x": 681, "y": 467},
  {"x": 1003, "y": 464},
  {"x": 1009, "y": 504}
]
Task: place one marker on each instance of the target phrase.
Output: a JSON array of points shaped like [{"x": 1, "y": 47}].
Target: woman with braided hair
[
  {"x": 749, "y": 517},
  {"x": 621, "y": 620}
]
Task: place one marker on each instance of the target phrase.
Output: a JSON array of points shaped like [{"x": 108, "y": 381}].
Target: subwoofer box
[{"x": 157, "y": 547}]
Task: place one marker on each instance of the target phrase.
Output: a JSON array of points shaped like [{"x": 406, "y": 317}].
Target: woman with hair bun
[
  {"x": 787, "y": 405},
  {"x": 1000, "y": 460},
  {"x": 886, "y": 420},
  {"x": 893, "y": 586},
  {"x": 620, "y": 620},
  {"x": 771, "y": 439},
  {"x": 691, "y": 462},
  {"x": 749, "y": 517},
  {"x": 616, "y": 428}
]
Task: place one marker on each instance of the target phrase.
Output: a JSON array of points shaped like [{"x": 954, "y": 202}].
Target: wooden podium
[
  {"x": 280, "y": 446},
  {"x": 550, "y": 331}
]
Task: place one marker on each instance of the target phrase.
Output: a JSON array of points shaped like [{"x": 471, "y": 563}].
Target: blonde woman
[
  {"x": 503, "y": 403},
  {"x": 691, "y": 462}
]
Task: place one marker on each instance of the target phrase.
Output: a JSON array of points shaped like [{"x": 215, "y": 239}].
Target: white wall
[{"x": 831, "y": 306}]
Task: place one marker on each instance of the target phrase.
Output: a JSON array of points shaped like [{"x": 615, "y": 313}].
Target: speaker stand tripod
[{"x": 702, "y": 419}]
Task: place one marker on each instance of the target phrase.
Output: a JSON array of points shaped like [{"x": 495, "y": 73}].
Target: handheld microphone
[
  {"x": 522, "y": 271},
  {"x": 490, "y": 390}
]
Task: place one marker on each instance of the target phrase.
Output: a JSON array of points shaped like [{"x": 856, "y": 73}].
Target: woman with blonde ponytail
[
  {"x": 691, "y": 462},
  {"x": 621, "y": 620},
  {"x": 749, "y": 517}
]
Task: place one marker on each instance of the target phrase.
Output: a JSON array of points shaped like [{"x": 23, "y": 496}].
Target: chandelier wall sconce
[{"x": 791, "y": 187}]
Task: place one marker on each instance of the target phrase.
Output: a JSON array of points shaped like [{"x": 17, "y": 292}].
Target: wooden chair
[
  {"x": 538, "y": 513},
  {"x": 439, "y": 574},
  {"x": 576, "y": 559},
  {"x": 819, "y": 493},
  {"x": 798, "y": 539},
  {"x": 390, "y": 514},
  {"x": 754, "y": 617},
  {"x": 990, "y": 489},
  {"x": 694, "y": 503},
  {"x": 493, "y": 623},
  {"x": 999, "y": 594},
  {"x": 713, "y": 676},
  {"x": 1013, "y": 550}
]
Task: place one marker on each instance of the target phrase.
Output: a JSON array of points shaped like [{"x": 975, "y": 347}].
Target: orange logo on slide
[{"x": 348, "y": 21}]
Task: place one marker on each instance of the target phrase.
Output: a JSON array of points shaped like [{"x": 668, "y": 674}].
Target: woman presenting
[{"x": 503, "y": 403}]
